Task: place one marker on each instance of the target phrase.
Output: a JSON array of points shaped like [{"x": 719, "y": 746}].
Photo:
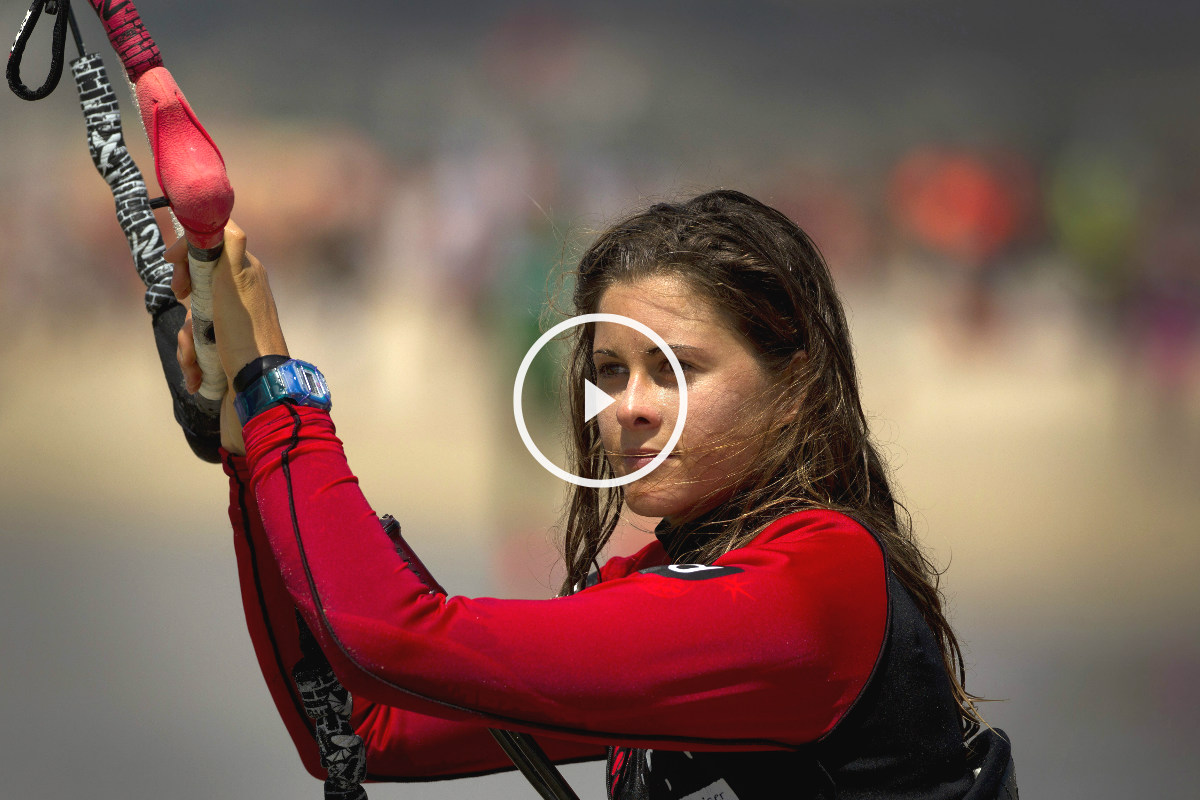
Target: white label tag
[{"x": 714, "y": 791}]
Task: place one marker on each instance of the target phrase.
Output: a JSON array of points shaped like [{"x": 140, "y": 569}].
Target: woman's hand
[
  {"x": 245, "y": 320},
  {"x": 231, "y": 425}
]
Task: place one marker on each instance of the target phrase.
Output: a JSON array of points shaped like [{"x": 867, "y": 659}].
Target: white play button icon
[{"x": 594, "y": 400}]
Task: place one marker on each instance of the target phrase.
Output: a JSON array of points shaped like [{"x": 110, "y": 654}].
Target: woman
[{"x": 783, "y": 634}]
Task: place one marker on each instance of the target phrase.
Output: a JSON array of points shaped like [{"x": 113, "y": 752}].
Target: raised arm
[
  {"x": 401, "y": 745},
  {"x": 768, "y": 652}
]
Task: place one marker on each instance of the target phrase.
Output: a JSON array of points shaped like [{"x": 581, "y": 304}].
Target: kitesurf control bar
[
  {"x": 198, "y": 418},
  {"x": 106, "y": 143},
  {"x": 189, "y": 169}
]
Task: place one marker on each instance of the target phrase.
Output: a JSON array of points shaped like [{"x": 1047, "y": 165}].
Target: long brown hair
[{"x": 770, "y": 282}]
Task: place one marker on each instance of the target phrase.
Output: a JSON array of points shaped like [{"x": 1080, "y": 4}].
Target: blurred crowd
[
  {"x": 553, "y": 133},
  {"x": 490, "y": 224}
]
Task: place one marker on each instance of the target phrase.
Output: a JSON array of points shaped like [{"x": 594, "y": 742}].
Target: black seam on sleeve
[
  {"x": 392, "y": 528},
  {"x": 285, "y": 463},
  {"x": 262, "y": 602}
]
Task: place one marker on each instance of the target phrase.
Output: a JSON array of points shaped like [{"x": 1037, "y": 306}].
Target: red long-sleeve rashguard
[
  {"x": 767, "y": 648},
  {"x": 401, "y": 745}
]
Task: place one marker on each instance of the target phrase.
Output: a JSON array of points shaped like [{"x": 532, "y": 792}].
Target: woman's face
[{"x": 727, "y": 389}]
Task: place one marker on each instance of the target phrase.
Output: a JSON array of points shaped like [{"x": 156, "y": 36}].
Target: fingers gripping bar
[{"x": 200, "y": 265}]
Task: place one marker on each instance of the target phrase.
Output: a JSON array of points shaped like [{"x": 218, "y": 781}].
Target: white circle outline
[{"x": 599, "y": 483}]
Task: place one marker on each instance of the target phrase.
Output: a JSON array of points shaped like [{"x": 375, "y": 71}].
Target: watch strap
[{"x": 254, "y": 370}]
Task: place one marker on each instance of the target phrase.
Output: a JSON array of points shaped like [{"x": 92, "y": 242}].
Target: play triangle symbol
[{"x": 594, "y": 400}]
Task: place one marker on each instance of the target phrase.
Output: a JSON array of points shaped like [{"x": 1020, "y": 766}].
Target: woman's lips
[{"x": 635, "y": 462}]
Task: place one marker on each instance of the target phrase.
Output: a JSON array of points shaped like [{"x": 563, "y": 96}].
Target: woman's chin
[
  {"x": 662, "y": 493},
  {"x": 653, "y": 504}
]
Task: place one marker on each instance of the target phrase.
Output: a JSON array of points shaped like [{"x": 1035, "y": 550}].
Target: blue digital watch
[{"x": 294, "y": 381}]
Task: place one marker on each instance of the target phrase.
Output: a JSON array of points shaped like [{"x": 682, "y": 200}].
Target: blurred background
[{"x": 1008, "y": 195}]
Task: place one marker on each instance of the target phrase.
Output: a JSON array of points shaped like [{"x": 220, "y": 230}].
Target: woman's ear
[{"x": 794, "y": 368}]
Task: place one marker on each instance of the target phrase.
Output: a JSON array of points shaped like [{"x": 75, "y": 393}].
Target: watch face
[{"x": 311, "y": 381}]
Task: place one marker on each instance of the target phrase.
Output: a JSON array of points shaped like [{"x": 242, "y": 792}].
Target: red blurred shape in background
[{"x": 962, "y": 205}]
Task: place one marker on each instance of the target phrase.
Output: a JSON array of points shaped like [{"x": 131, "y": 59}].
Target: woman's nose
[{"x": 639, "y": 405}]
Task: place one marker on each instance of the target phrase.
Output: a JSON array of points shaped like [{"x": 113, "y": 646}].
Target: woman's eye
[
  {"x": 607, "y": 370},
  {"x": 612, "y": 369}
]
